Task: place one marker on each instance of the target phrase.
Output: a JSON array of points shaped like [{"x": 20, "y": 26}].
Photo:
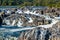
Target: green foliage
[{"x": 50, "y": 3}]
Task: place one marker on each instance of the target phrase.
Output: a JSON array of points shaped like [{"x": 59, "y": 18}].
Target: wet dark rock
[
  {"x": 42, "y": 12},
  {"x": 53, "y": 10},
  {"x": 38, "y": 33},
  {"x": 0, "y": 21},
  {"x": 47, "y": 35}
]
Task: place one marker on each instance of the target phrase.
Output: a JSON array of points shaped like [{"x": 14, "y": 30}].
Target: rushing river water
[
  {"x": 5, "y": 7},
  {"x": 16, "y": 31}
]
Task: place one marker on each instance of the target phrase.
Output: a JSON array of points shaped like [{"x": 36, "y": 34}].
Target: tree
[
  {"x": 4, "y": 2},
  {"x": 0, "y": 2},
  {"x": 36, "y": 2},
  {"x": 50, "y": 3},
  {"x": 10, "y": 2}
]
